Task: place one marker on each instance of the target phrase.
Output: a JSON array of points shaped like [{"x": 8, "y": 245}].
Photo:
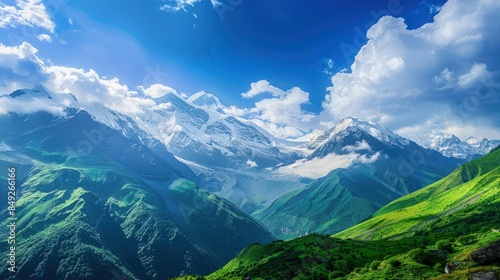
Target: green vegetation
[
  {"x": 459, "y": 201},
  {"x": 310, "y": 257},
  {"x": 346, "y": 197},
  {"x": 414, "y": 237},
  {"x": 324, "y": 257},
  {"x": 117, "y": 212}
]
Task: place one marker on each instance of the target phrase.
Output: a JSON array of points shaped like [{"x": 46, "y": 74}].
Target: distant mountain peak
[
  {"x": 205, "y": 100},
  {"x": 476, "y": 142},
  {"x": 451, "y": 146},
  {"x": 351, "y": 124},
  {"x": 37, "y": 92}
]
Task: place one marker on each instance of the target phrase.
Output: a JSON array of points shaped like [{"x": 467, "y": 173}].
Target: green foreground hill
[
  {"x": 118, "y": 210},
  {"x": 415, "y": 237}
]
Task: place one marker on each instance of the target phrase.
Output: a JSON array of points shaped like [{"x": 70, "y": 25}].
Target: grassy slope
[
  {"x": 476, "y": 183},
  {"x": 112, "y": 212},
  {"x": 309, "y": 257},
  {"x": 412, "y": 238},
  {"x": 346, "y": 197},
  {"x": 306, "y": 210},
  {"x": 98, "y": 220}
]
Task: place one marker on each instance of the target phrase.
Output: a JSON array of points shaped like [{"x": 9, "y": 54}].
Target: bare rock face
[
  {"x": 487, "y": 255},
  {"x": 490, "y": 275}
]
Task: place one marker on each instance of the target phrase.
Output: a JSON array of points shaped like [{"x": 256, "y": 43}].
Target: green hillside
[
  {"x": 443, "y": 225},
  {"x": 468, "y": 194},
  {"x": 323, "y": 206},
  {"x": 118, "y": 211},
  {"x": 345, "y": 197},
  {"x": 101, "y": 222}
]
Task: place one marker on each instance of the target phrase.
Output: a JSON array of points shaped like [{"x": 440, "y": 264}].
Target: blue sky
[
  {"x": 220, "y": 50},
  {"x": 224, "y": 46}
]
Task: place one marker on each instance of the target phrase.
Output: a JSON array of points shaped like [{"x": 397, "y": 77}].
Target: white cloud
[
  {"x": 465, "y": 131},
  {"x": 445, "y": 79},
  {"x": 282, "y": 114},
  {"x": 22, "y": 68},
  {"x": 320, "y": 167},
  {"x": 477, "y": 72},
  {"x": 251, "y": 164},
  {"x": 216, "y": 3},
  {"x": 26, "y": 12},
  {"x": 44, "y": 37},
  {"x": 157, "y": 90},
  {"x": 360, "y": 146},
  {"x": 403, "y": 78},
  {"x": 29, "y": 106},
  {"x": 262, "y": 86},
  {"x": 89, "y": 87},
  {"x": 284, "y": 109},
  {"x": 235, "y": 111},
  {"x": 327, "y": 65},
  {"x": 178, "y": 5},
  {"x": 183, "y": 5},
  {"x": 280, "y": 131}
]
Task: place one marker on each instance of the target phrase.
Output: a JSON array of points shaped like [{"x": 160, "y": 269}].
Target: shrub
[
  {"x": 439, "y": 266},
  {"x": 374, "y": 265},
  {"x": 335, "y": 274},
  {"x": 444, "y": 245},
  {"x": 466, "y": 239},
  {"x": 419, "y": 255},
  {"x": 395, "y": 263}
]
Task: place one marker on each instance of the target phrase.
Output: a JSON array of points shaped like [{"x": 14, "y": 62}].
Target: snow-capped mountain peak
[
  {"x": 206, "y": 101},
  {"x": 309, "y": 137},
  {"x": 351, "y": 124},
  {"x": 482, "y": 145},
  {"x": 451, "y": 146},
  {"x": 38, "y": 92},
  {"x": 42, "y": 94}
]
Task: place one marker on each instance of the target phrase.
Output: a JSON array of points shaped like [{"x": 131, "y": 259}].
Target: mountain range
[
  {"x": 94, "y": 204},
  {"x": 447, "y": 230},
  {"x": 451, "y": 146},
  {"x": 382, "y": 166},
  {"x": 180, "y": 187}
]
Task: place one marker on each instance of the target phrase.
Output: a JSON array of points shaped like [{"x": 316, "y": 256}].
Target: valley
[{"x": 93, "y": 180}]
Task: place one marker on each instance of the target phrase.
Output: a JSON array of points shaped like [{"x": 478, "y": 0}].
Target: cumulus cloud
[
  {"x": 260, "y": 87},
  {"x": 26, "y": 12},
  {"x": 20, "y": 67},
  {"x": 403, "y": 78},
  {"x": 157, "y": 90},
  {"x": 284, "y": 109},
  {"x": 282, "y": 114},
  {"x": 44, "y": 38},
  {"x": 477, "y": 72}
]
